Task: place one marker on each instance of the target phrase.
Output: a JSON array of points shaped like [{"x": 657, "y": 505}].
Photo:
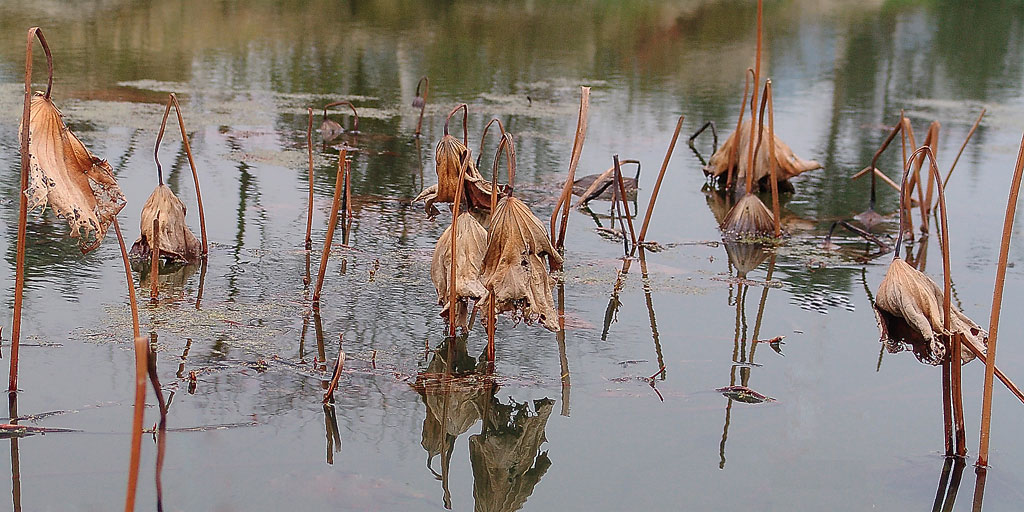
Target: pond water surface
[{"x": 618, "y": 412}]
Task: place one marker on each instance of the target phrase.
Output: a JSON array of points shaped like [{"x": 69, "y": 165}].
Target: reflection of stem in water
[
  {"x": 202, "y": 281},
  {"x": 611, "y": 312},
  {"x": 161, "y": 434},
  {"x": 760, "y": 314},
  {"x": 446, "y": 455},
  {"x": 737, "y": 356},
  {"x": 321, "y": 355},
  {"x": 12, "y": 402},
  {"x": 945, "y": 497},
  {"x": 333, "y": 436},
  {"x": 563, "y": 360},
  {"x": 650, "y": 311},
  {"x": 184, "y": 356},
  {"x": 979, "y": 487},
  {"x": 871, "y": 301}
]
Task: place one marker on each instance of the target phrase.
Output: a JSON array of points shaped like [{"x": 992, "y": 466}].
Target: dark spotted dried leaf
[
  {"x": 77, "y": 185},
  {"x": 908, "y": 307},
  {"x": 471, "y": 243},
  {"x": 515, "y": 268},
  {"x": 177, "y": 243}
]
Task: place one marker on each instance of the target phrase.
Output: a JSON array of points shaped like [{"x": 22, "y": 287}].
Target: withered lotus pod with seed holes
[
  {"x": 515, "y": 269},
  {"x": 749, "y": 217},
  {"x": 471, "y": 243},
  {"x": 78, "y": 186},
  {"x": 177, "y": 243},
  {"x": 787, "y": 164},
  {"x": 908, "y": 307}
]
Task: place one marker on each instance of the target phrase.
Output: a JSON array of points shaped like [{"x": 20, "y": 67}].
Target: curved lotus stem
[
  {"x": 661, "y": 176},
  {"x": 465, "y": 120},
  {"x": 510, "y": 159},
  {"x": 766, "y": 100},
  {"x": 355, "y": 115},
  {"x": 452, "y": 290},
  {"x": 422, "y": 100},
  {"x": 309, "y": 202},
  {"x": 997, "y": 302},
  {"x": 339, "y": 181},
  {"x": 173, "y": 101},
  {"x": 19, "y": 275},
  {"x": 734, "y": 157},
  {"x": 954, "y": 365},
  {"x": 501, "y": 127}
]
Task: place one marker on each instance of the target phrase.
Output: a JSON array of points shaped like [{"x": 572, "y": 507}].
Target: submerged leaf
[
  {"x": 515, "y": 270},
  {"x": 908, "y": 307},
  {"x": 77, "y": 185},
  {"x": 787, "y": 165},
  {"x": 471, "y": 243},
  {"x": 177, "y": 243}
]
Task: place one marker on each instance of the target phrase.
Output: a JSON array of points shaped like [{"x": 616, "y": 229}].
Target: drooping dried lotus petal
[
  {"x": 477, "y": 191},
  {"x": 447, "y": 165},
  {"x": 908, "y": 307},
  {"x": 749, "y": 217},
  {"x": 507, "y": 460},
  {"x": 77, "y": 185},
  {"x": 471, "y": 243},
  {"x": 514, "y": 266},
  {"x": 787, "y": 164},
  {"x": 177, "y": 243}
]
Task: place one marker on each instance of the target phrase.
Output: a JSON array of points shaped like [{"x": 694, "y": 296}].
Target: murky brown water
[{"x": 587, "y": 420}]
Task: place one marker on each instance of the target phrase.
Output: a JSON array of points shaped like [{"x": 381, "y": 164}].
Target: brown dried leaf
[
  {"x": 514, "y": 267},
  {"x": 908, "y": 307},
  {"x": 787, "y": 164},
  {"x": 749, "y": 217},
  {"x": 447, "y": 163},
  {"x": 177, "y": 242},
  {"x": 78, "y": 186},
  {"x": 470, "y": 244}
]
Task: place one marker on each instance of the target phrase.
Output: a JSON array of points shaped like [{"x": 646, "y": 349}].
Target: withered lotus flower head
[
  {"x": 749, "y": 217},
  {"x": 471, "y": 243},
  {"x": 447, "y": 158},
  {"x": 787, "y": 164},
  {"x": 908, "y": 307},
  {"x": 515, "y": 270},
  {"x": 331, "y": 129},
  {"x": 77, "y": 185},
  {"x": 177, "y": 243},
  {"x": 418, "y": 102}
]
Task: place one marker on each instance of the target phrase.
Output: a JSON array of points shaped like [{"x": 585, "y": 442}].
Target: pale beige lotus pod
[
  {"x": 177, "y": 243},
  {"x": 908, "y": 307},
  {"x": 749, "y": 217},
  {"x": 515, "y": 269},
  {"x": 78, "y": 186},
  {"x": 470, "y": 245},
  {"x": 787, "y": 164}
]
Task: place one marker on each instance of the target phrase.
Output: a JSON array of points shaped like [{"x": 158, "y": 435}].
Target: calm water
[{"x": 573, "y": 422}]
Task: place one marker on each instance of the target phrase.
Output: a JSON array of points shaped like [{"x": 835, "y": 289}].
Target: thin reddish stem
[
  {"x": 426, "y": 93},
  {"x": 452, "y": 289},
  {"x": 622, "y": 197},
  {"x": 355, "y": 115},
  {"x": 657, "y": 184},
  {"x": 309, "y": 202},
  {"x": 562, "y": 206},
  {"x": 997, "y": 302},
  {"x": 335, "y": 206},
  {"x": 465, "y": 122},
  {"x": 139, "y": 408}
]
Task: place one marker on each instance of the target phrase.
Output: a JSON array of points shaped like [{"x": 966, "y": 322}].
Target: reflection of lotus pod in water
[
  {"x": 745, "y": 257},
  {"x": 471, "y": 243},
  {"x": 506, "y": 458},
  {"x": 79, "y": 187},
  {"x": 749, "y": 217},
  {"x": 788, "y": 165},
  {"x": 514, "y": 267},
  {"x": 177, "y": 243},
  {"x": 908, "y": 307}
]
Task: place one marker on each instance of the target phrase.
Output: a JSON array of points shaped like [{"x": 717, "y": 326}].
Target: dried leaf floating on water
[
  {"x": 908, "y": 307},
  {"x": 787, "y": 164},
  {"x": 515, "y": 269},
  {"x": 77, "y": 185},
  {"x": 744, "y": 394},
  {"x": 177, "y": 243},
  {"x": 471, "y": 244}
]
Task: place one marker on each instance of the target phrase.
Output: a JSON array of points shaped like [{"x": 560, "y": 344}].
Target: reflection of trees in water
[{"x": 506, "y": 457}]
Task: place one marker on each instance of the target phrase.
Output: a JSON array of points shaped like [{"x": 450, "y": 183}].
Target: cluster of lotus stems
[{"x": 496, "y": 256}]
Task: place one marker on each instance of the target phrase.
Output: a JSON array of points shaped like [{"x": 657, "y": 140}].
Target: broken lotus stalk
[{"x": 515, "y": 272}]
